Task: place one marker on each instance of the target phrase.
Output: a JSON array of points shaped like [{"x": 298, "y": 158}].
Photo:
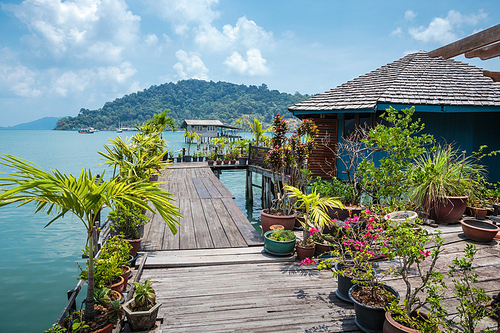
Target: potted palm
[
  {"x": 190, "y": 137},
  {"x": 314, "y": 210},
  {"x": 54, "y": 192},
  {"x": 142, "y": 309},
  {"x": 287, "y": 160},
  {"x": 440, "y": 182}
]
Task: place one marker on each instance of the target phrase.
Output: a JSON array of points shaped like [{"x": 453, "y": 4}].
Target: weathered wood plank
[
  {"x": 232, "y": 232},
  {"x": 187, "y": 238},
  {"x": 214, "y": 192},
  {"x": 252, "y": 238},
  {"x": 203, "y": 238},
  {"x": 201, "y": 189},
  {"x": 217, "y": 232}
]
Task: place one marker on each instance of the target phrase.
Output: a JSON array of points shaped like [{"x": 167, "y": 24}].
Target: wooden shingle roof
[{"x": 415, "y": 79}]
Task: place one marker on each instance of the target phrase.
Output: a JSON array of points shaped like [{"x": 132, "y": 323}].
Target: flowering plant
[
  {"x": 408, "y": 241},
  {"x": 287, "y": 158}
]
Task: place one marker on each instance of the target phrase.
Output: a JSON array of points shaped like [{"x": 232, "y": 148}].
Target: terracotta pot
[
  {"x": 135, "y": 246},
  {"x": 305, "y": 252},
  {"x": 267, "y": 220},
  {"x": 210, "y": 162},
  {"x": 321, "y": 248},
  {"x": 478, "y": 213},
  {"x": 276, "y": 227},
  {"x": 369, "y": 318},
  {"x": 480, "y": 231},
  {"x": 125, "y": 275},
  {"x": 449, "y": 209},
  {"x": 218, "y": 162},
  {"x": 232, "y": 161},
  {"x": 106, "y": 329},
  {"x": 117, "y": 296},
  {"x": 392, "y": 326},
  {"x": 226, "y": 161},
  {"x": 298, "y": 220},
  {"x": 117, "y": 286},
  {"x": 343, "y": 214}
]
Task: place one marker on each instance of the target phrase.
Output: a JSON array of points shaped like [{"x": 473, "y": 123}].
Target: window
[
  {"x": 353, "y": 121},
  {"x": 211, "y": 128},
  {"x": 198, "y": 128}
]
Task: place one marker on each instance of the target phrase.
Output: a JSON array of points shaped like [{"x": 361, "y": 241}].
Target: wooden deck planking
[
  {"x": 207, "y": 222},
  {"x": 255, "y": 292}
]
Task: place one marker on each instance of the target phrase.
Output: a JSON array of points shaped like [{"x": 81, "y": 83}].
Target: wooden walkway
[
  {"x": 211, "y": 219},
  {"x": 244, "y": 290}
]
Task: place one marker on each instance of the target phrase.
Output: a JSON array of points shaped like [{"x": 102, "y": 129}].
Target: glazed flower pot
[
  {"x": 305, "y": 252},
  {"x": 369, "y": 318},
  {"x": 478, "y": 213},
  {"x": 141, "y": 320},
  {"x": 279, "y": 248},
  {"x": 242, "y": 160},
  {"x": 449, "y": 209},
  {"x": 480, "y": 231},
  {"x": 267, "y": 220}
]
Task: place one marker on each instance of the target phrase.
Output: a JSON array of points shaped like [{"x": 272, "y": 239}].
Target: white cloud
[
  {"x": 117, "y": 74},
  {"x": 190, "y": 66},
  {"x": 151, "y": 39},
  {"x": 69, "y": 28},
  {"x": 15, "y": 77},
  {"x": 184, "y": 13},
  {"x": 71, "y": 81},
  {"x": 445, "y": 30},
  {"x": 398, "y": 32},
  {"x": 254, "y": 65},
  {"x": 410, "y": 15}
]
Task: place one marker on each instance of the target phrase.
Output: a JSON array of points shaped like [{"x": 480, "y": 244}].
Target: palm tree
[
  {"x": 57, "y": 193},
  {"x": 257, "y": 130}
]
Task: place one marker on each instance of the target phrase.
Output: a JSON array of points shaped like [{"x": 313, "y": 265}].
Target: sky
[{"x": 57, "y": 57}]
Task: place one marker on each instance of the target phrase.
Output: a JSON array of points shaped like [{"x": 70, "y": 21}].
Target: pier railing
[{"x": 256, "y": 156}]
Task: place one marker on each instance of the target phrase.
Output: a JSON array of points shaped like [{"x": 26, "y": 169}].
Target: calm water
[{"x": 38, "y": 265}]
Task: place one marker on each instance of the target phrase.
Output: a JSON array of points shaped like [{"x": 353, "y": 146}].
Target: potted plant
[
  {"x": 127, "y": 219},
  {"x": 242, "y": 145},
  {"x": 218, "y": 161},
  {"x": 345, "y": 192},
  {"x": 190, "y": 137},
  {"x": 407, "y": 248},
  {"x": 212, "y": 157},
  {"x": 54, "y": 192},
  {"x": 287, "y": 160},
  {"x": 226, "y": 159},
  {"x": 358, "y": 241},
  {"x": 179, "y": 157},
  {"x": 121, "y": 248},
  {"x": 142, "y": 309},
  {"x": 441, "y": 182},
  {"x": 322, "y": 244},
  {"x": 279, "y": 242}
]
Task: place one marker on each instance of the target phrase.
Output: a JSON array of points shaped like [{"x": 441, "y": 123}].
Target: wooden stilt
[{"x": 249, "y": 187}]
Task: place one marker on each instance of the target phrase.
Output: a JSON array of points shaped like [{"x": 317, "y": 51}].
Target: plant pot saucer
[
  {"x": 345, "y": 299},
  {"x": 278, "y": 254}
]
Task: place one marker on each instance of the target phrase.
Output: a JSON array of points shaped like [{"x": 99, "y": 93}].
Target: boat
[
  {"x": 119, "y": 130},
  {"x": 89, "y": 130}
]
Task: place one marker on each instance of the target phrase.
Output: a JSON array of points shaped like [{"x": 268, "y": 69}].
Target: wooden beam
[
  {"x": 494, "y": 75},
  {"x": 485, "y": 52},
  {"x": 469, "y": 43}
]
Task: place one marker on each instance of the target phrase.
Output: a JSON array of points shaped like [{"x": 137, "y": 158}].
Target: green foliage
[
  {"x": 335, "y": 188},
  {"x": 186, "y": 99},
  {"x": 127, "y": 219},
  {"x": 444, "y": 172},
  {"x": 144, "y": 296},
  {"x": 257, "y": 130},
  {"x": 55, "y": 329},
  {"x": 399, "y": 143},
  {"x": 114, "y": 311},
  {"x": 282, "y": 235},
  {"x": 191, "y": 137},
  {"x": 116, "y": 246},
  {"x": 101, "y": 296},
  {"x": 472, "y": 306},
  {"x": 407, "y": 247}
]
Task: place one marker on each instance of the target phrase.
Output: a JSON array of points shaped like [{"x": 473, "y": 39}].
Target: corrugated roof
[
  {"x": 197, "y": 122},
  {"x": 415, "y": 79}
]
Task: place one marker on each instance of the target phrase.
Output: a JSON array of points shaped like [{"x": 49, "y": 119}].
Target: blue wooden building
[{"x": 455, "y": 100}]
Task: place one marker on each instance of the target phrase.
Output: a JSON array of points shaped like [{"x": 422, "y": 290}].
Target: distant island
[
  {"x": 187, "y": 99},
  {"x": 45, "y": 123}
]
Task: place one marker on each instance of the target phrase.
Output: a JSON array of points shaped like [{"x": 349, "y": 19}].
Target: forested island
[{"x": 187, "y": 99}]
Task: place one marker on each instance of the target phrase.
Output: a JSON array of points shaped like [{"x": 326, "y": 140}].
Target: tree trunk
[{"x": 89, "y": 301}]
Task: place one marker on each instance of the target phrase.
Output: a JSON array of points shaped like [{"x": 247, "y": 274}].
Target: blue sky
[{"x": 59, "y": 56}]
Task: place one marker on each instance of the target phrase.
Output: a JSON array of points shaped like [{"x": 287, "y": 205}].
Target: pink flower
[
  {"x": 388, "y": 216},
  {"x": 334, "y": 220},
  {"x": 426, "y": 253},
  {"x": 372, "y": 219},
  {"x": 308, "y": 261},
  {"x": 369, "y": 226},
  {"x": 313, "y": 229},
  {"x": 367, "y": 211},
  {"x": 383, "y": 207}
]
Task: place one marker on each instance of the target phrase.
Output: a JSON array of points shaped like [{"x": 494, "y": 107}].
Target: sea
[{"x": 39, "y": 265}]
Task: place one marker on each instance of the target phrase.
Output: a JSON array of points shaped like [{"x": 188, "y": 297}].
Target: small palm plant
[
  {"x": 314, "y": 206},
  {"x": 191, "y": 137},
  {"x": 144, "y": 296}
]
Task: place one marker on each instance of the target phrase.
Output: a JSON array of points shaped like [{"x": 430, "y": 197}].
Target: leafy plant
[
  {"x": 55, "y": 329},
  {"x": 114, "y": 311},
  {"x": 443, "y": 172},
  {"x": 257, "y": 129},
  {"x": 336, "y": 188},
  {"x": 399, "y": 143},
  {"x": 282, "y": 235},
  {"x": 118, "y": 247},
  {"x": 191, "y": 137},
  {"x": 314, "y": 207},
  {"x": 407, "y": 248},
  {"x": 473, "y": 300},
  {"x": 212, "y": 155},
  {"x": 144, "y": 296},
  {"x": 127, "y": 219},
  {"x": 56, "y": 192}
]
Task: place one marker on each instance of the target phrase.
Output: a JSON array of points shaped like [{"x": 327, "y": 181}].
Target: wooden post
[{"x": 249, "y": 187}]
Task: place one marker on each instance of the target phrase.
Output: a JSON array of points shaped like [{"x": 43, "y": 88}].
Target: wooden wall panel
[{"x": 328, "y": 129}]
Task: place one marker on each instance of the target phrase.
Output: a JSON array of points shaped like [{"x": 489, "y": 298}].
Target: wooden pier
[{"x": 209, "y": 279}]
